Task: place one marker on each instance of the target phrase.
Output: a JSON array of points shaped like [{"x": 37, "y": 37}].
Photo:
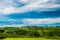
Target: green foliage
[{"x": 30, "y": 31}]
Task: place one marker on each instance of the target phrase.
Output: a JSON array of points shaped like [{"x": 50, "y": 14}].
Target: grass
[{"x": 28, "y": 39}]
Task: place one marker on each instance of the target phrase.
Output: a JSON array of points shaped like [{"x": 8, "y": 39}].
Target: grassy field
[{"x": 28, "y": 39}]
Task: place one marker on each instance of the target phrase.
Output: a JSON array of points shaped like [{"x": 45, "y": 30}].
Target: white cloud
[
  {"x": 42, "y": 21},
  {"x": 27, "y": 21},
  {"x": 13, "y": 25},
  {"x": 9, "y": 10},
  {"x": 9, "y": 6},
  {"x": 32, "y": 1}
]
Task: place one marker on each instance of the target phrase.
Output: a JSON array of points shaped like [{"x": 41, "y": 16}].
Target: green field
[
  {"x": 30, "y": 33},
  {"x": 28, "y": 39}
]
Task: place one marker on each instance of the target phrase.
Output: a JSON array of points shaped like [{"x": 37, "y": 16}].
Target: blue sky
[{"x": 29, "y": 13}]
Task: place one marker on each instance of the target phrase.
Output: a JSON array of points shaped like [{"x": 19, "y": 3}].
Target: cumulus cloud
[
  {"x": 10, "y": 6},
  {"x": 42, "y": 21}
]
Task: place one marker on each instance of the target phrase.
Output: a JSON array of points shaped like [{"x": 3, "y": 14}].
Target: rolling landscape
[
  {"x": 30, "y": 33},
  {"x": 29, "y": 19}
]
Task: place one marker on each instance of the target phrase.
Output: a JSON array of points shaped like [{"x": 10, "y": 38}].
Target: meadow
[
  {"x": 29, "y": 39},
  {"x": 30, "y": 33}
]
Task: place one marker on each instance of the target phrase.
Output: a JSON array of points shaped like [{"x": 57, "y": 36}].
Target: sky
[{"x": 19, "y": 13}]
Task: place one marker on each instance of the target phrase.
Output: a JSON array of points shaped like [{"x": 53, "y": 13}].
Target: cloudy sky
[{"x": 29, "y": 13}]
